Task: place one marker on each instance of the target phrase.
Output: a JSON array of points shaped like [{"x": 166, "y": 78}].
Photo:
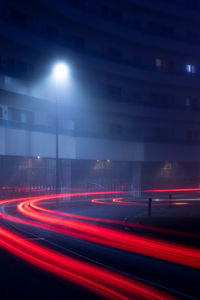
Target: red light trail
[
  {"x": 110, "y": 221},
  {"x": 100, "y": 280},
  {"x": 104, "y": 282},
  {"x": 114, "y": 238}
]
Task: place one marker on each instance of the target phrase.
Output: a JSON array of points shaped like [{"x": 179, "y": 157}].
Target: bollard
[
  {"x": 149, "y": 207},
  {"x": 170, "y": 202}
]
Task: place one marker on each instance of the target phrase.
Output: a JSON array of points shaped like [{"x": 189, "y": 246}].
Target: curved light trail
[
  {"x": 114, "y": 238},
  {"x": 99, "y": 280},
  {"x": 112, "y": 221},
  {"x": 102, "y": 281}
]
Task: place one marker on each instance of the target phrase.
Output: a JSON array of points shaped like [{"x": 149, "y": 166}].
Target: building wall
[{"x": 137, "y": 105}]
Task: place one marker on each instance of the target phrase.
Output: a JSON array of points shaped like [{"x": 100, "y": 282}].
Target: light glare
[{"x": 61, "y": 71}]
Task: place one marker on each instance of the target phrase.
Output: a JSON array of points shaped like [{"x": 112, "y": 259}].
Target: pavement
[{"x": 20, "y": 280}]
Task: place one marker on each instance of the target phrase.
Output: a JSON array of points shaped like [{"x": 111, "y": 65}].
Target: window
[
  {"x": 51, "y": 30},
  {"x": 31, "y": 69},
  {"x": 111, "y": 13},
  {"x": 188, "y": 104},
  {"x": 161, "y": 99},
  {"x": 190, "y": 68},
  {"x": 162, "y": 133},
  {"x": 195, "y": 103},
  {"x": 21, "y": 68},
  {"x": 193, "y": 4},
  {"x": 114, "y": 90},
  {"x": 81, "y": 4},
  {"x": 160, "y": 29},
  {"x": 192, "y": 135},
  {"x": 18, "y": 16},
  {"x": 1, "y": 112},
  {"x": 114, "y": 53},
  {"x": 136, "y": 96},
  {"x": 163, "y": 64},
  {"x": 137, "y": 60},
  {"x": 137, "y": 23},
  {"x": 171, "y": 1},
  {"x": 78, "y": 43},
  {"x": 158, "y": 62},
  {"x": 28, "y": 117},
  {"x": 10, "y": 63},
  {"x": 115, "y": 129},
  {"x": 192, "y": 36},
  {"x": 14, "y": 114}
]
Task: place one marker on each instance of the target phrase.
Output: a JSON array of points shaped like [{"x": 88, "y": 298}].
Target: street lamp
[
  {"x": 60, "y": 74},
  {"x": 60, "y": 71}
]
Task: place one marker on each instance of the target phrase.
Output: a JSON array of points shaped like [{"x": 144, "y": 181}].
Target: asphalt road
[{"x": 23, "y": 281}]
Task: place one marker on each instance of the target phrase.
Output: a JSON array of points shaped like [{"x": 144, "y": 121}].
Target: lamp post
[{"x": 60, "y": 74}]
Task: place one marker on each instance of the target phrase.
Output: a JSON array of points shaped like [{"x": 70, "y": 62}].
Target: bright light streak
[
  {"x": 99, "y": 280},
  {"x": 180, "y": 203},
  {"x": 106, "y": 283},
  {"x": 171, "y": 190},
  {"x": 116, "y": 238}
]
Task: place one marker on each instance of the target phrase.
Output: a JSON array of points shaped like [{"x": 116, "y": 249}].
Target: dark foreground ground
[{"x": 19, "y": 280}]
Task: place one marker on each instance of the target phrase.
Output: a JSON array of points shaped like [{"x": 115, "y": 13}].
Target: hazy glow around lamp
[{"x": 60, "y": 71}]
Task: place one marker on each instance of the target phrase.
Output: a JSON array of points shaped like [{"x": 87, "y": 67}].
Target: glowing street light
[
  {"x": 60, "y": 74},
  {"x": 60, "y": 71}
]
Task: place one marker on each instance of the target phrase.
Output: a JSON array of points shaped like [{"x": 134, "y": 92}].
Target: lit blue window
[{"x": 190, "y": 68}]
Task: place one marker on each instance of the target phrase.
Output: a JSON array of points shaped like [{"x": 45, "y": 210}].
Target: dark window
[
  {"x": 192, "y": 36},
  {"x": 163, "y": 64},
  {"x": 111, "y": 13},
  {"x": 14, "y": 114},
  {"x": 31, "y": 69},
  {"x": 78, "y": 43},
  {"x": 189, "y": 135},
  {"x": 195, "y": 104},
  {"x": 114, "y": 90},
  {"x": 188, "y": 104},
  {"x": 30, "y": 117},
  {"x": 51, "y": 30},
  {"x": 136, "y": 132},
  {"x": 137, "y": 24},
  {"x": 160, "y": 29},
  {"x": 171, "y": 1},
  {"x": 137, "y": 60},
  {"x": 192, "y": 135},
  {"x": 114, "y": 53},
  {"x": 161, "y": 99},
  {"x": 21, "y": 68},
  {"x": 136, "y": 96},
  {"x": 115, "y": 129},
  {"x": 81, "y": 4},
  {"x": 10, "y": 63},
  {"x": 20, "y": 18},
  {"x": 162, "y": 133},
  {"x": 193, "y": 4}
]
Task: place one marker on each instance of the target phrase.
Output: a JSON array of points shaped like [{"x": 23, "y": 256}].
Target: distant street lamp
[{"x": 60, "y": 74}]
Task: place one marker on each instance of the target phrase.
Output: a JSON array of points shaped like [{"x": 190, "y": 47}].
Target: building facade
[{"x": 129, "y": 111}]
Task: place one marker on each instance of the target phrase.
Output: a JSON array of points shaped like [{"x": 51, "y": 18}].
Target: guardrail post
[
  {"x": 149, "y": 207},
  {"x": 170, "y": 202}
]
